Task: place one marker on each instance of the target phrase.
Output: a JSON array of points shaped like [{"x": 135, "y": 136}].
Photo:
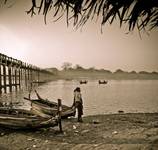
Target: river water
[{"x": 127, "y": 95}]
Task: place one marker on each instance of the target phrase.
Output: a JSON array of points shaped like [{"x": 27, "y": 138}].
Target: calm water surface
[{"x": 126, "y": 95}]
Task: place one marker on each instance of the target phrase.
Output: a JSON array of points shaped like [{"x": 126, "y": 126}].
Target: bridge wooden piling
[
  {"x": 4, "y": 79},
  {"x": 15, "y": 73}
]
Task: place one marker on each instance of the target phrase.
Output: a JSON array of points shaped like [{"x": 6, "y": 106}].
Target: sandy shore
[{"x": 101, "y": 132}]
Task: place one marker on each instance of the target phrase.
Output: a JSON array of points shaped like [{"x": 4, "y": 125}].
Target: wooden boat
[
  {"x": 102, "y": 82},
  {"x": 24, "y": 119},
  {"x": 46, "y": 108},
  {"x": 83, "y": 82},
  {"x": 39, "y": 82}
]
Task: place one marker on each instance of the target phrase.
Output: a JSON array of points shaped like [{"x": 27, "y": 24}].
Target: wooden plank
[{"x": 59, "y": 114}]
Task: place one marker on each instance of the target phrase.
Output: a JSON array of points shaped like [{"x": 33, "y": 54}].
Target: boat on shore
[
  {"x": 24, "y": 119},
  {"x": 46, "y": 108}
]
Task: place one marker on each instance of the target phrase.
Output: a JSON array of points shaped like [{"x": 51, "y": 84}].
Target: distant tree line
[{"x": 67, "y": 66}]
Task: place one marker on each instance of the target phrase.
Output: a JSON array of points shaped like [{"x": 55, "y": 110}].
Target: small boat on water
[
  {"x": 46, "y": 108},
  {"x": 102, "y": 82},
  {"x": 24, "y": 119},
  {"x": 83, "y": 82},
  {"x": 38, "y": 82}
]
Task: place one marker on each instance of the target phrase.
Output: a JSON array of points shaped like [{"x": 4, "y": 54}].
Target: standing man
[{"x": 78, "y": 103}]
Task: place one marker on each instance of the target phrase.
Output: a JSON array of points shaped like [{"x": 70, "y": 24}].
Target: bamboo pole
[{"x": 59, "y": 115}]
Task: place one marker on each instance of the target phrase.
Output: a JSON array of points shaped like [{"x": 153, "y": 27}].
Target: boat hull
[
  {"x": 45, "y": 108},
  {"x": 22, "y": 119}
]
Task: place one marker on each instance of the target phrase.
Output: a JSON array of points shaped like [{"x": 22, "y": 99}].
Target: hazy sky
[{"x": 30, "y": 40}]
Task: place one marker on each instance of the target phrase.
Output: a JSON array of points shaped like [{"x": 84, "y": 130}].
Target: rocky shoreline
[{"x": 133, "y": 131}]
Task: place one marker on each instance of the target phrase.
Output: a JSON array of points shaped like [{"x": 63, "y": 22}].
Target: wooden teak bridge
[{"x": 15, "y": 73}]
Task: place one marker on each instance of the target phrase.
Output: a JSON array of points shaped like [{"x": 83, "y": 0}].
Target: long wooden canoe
[
  {"x": 24, "y": 119},
  {"x": 47, "y": 108}
]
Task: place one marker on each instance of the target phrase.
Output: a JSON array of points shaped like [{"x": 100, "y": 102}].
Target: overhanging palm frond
[{"x": 136, "y": 13}]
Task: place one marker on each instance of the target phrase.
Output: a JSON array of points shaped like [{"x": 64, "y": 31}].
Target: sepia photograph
[{"x": 78, "y": 74}]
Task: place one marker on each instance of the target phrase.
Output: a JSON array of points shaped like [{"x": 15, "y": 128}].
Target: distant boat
[
  {"x": 68, "y": 79},
  {"x": 120, "y": 111},
  {"x": 102, "y": 82},
  {"x": 38, "y": 82},
  {"x": 83, "y": 82}
]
